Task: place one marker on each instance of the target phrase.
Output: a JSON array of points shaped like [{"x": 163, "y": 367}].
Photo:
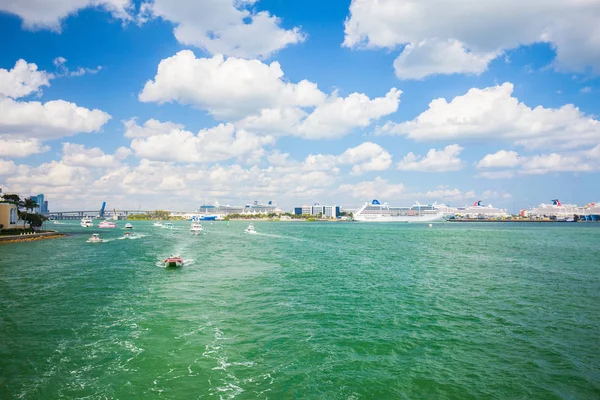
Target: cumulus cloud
[
  {"x": 225, "y": 27},
  {"x": 260, "y": 99},
  {"x": 432, "y": 57},
  {"x": 61, "y": 64},
  {"x": 494, "y": 114},
  {"x": 20, "y": 148},
  {"x": 51, "y": 120},
  {"x": 7, "y": 167},
  {"x": 470, "y": 34},
  {"x": 445, "y": 193},
  {"x": 22, "y": 80},
  {"x": 443, "y": 160},
  {"x": 366, "y": 157},
  {"x": 151, "y": 127},
  {"x": 227, "y": 88},
  {"x": 500, "y": 159},
  {"x": 208, "y": 145},
  {"x": 77, "y": 155},
  {"x": 39, "y": 14},
  {"x": 378, "y": 187},
  {"x": 554, "y": 162}
]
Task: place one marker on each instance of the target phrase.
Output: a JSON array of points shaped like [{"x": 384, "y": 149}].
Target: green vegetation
[
  {"x": 152, "y": 215},
  {"x": 35, "y": 220}
]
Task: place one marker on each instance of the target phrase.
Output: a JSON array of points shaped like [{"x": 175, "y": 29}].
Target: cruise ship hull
[{"x": 400, "y": 218}]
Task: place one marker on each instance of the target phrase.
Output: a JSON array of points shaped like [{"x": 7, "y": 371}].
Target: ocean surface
[{"x": 304, "y": 310}]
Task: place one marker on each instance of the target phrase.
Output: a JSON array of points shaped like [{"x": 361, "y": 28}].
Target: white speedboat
[
  {"x": 127, "y": 235},
  {"x": 173, "y": 261},
  {"x": 128, "y": 226},
  {"x": 250, "y": 229},
  {"x": 158, "y": 224},
  {"x": 196, "y": 228},
  {"x": 107, "y": 224},
  {"x": 95, "y": 239},
  {"x": 86, "y": 222},
  {"x": 167, "y": 225}
]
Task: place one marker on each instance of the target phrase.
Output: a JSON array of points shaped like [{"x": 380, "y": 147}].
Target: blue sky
[{"x": 399, "y": 100}]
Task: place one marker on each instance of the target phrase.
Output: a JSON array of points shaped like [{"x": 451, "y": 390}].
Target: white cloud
[
  {"x": 445, "y": 193},
  {"x": 20, "y": 148},
  {"x": 337, "y": 116},
  {"x": 76, "y": 155},
  {"x": 586, "y": 89},
  {"x": 227, "y": 88},
  {"x": 51, "y": 120},
  {"x": 49, "y": 175},
  {"x": 377, "y": 188},
  {"x": 151, "y": 127},
  {"x": 225, "y": 27},
  {"x": 257, "y": 95},
  {"x": 7, "y": 167},
  {"x": 500, "y": 159},
  {"x": 496, "y": 174},
  {"x": 22, "y": 80},
  {"x": 547, "y": 163},
  {"x": 366, "y": 157},
  {"x": 494, "y": 194},
  {"x": 494, "y": 114},
  {"x": 214, "y": 144},
  {"x": 61, "y": 64},
  {"x": 435, "y": 161},
  {"x": 476, "y": 30},
  {"x": 43, "y": 14},
  {"x": 432, "y": 56}
]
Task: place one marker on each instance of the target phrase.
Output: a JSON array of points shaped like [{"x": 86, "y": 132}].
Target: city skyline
[{"x": 160, "y": 106}]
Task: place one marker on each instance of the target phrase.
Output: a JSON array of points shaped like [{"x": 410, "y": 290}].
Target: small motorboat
[
  {"x": 86, "y": 222},
  {"x": 95, "y": 239},
  {"x": 127, "y": 235},
  {"x": 167, "y": 225},
  {"x": 158, "y": 224},
  {"x": 107, "y": 224},
  {"x": 173, "y": 261},
  {"x": 128, "y": 226},
  {"x": 250, "y": 229},
  {"x": 196, "y": 228}
]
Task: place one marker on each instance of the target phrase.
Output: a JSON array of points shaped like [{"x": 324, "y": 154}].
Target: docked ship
[
  {"x": 477, "y": 210},
  {"x": 377, "y": 212},
  {"x": 216, "y": 211},
  {"x": 558, "y": 211}
]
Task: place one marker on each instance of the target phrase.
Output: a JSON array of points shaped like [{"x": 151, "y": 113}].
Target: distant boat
[
  {"x": 173, "y": 261},
  {"x": 95, "y": 239},
  {"x": 196, "y": 227},
  {"x": 107, "y": 224},
  {"x": 250, "y": 229},
  {"x": 167, "y": 225},
  {"x": 128, "y": 226},
  {"x": 127, "y": 235},
  {"x": 159, "y": 224},
  {"x": 86, "y": 222}
]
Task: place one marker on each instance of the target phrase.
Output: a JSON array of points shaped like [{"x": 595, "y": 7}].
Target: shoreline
[
  {"x": 32, "y": 237},
  {"x": 542, "y": 221}
]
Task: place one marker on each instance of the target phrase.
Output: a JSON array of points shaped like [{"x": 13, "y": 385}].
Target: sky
[{"x": 175, "y": 103}]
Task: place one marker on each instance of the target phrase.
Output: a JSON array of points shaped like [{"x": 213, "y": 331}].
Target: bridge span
[{"x": 121, "y": 214}]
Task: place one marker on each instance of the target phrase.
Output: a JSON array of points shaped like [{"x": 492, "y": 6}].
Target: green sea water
[{"x": 304, "y": 310}]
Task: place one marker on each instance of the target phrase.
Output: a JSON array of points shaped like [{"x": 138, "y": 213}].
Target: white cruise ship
[
  {"x": 479, "y": 211},
  {"x": 557, "y": 210},
  {"x": 377, "y": 212}
]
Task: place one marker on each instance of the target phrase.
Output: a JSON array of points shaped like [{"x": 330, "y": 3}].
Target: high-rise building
[
  {"x": 42, "y": 205},
  {"x": 318, "y": 210}
]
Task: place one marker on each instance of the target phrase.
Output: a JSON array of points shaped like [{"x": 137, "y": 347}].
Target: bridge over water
[{"x": 121, "y": 214}]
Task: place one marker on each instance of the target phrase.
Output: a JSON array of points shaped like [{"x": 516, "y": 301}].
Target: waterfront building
[
  {"x": 9, "y": 215},
  {"x": 318, "y": 210}
]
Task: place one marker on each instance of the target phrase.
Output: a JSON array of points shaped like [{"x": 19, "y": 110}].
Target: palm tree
[{"x": 29, "y": 204}]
